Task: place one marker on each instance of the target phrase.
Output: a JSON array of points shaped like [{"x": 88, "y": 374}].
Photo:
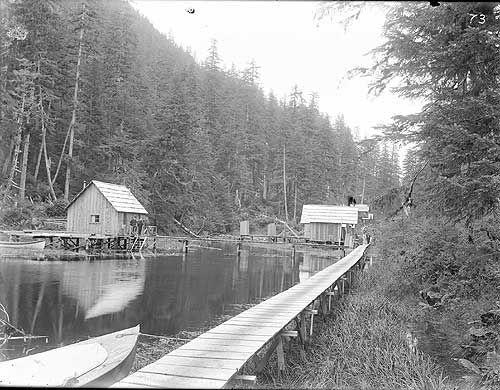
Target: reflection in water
[
  {"x": 71, "y": 300},
  {"x": 312, "y": 264}
]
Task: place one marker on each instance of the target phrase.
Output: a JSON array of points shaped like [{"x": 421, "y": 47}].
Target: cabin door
[{"x": 343, "y": 230}]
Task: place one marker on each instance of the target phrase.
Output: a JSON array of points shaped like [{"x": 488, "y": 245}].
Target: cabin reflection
[
  {"x": 59, "y": 299},
  {"x": 312, "y": 264}
]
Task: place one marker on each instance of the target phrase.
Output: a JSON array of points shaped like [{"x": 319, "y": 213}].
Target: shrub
[
  {"x": 434, "y": 252},
  {"x": 16, "y": 216},
  {"x": 56, "y": 209}
]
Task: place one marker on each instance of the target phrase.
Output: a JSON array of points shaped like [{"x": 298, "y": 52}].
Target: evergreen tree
[{"x": 454, "y": 63}]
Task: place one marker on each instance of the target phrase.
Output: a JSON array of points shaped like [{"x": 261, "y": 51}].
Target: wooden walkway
[
  {"x": 213, "y": 359},
  {"x": 272, "y": 240},
  {"x": 74, "y": 241}
]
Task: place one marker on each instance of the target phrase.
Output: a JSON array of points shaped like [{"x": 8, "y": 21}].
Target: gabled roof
[
  {"x": 119, "y": 196},
  {"x": 329, "y": 214},
  {"x": 363, "y": 207}
]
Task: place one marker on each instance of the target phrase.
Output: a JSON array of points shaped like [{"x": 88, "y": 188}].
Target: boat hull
[
  {"x": 38, "y": 244},
  {"x": 116, "y": 374},
  {"x": 76, "y": 365}
]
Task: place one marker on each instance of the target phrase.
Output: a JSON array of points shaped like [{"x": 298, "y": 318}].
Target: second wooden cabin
[{"x": 326, "y": 223}]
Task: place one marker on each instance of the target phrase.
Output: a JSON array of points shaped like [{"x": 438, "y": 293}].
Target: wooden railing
[
  {"x": 147, "y": 230},
  {"x": 52, "y": 224}
]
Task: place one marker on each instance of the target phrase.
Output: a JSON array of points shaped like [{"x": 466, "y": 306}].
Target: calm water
[{"x": 71, "y": 300}]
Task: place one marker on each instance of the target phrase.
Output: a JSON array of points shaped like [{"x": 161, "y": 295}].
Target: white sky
[{"x": 291, "y": 47}]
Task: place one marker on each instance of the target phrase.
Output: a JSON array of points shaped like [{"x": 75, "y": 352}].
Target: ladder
[{"x": 134, "y": 244}]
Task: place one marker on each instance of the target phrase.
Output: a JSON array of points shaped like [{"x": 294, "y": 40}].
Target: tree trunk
[
  {"x": 363, "y": 193},
  {"x": 264, "y": 190},
  {"x": 295, "y": 202},
  {"x": 284, "y": 182},
  {"x": 26, "y": 148},
  {"x": 8, "y": 159},
  {"x": 44, "y": 147},
  {"x": 53, "y": 180},
  {"x": 185, "y": 228},
  {"x": 75, "y": 106},
  {"x": 40, "y": 152},
  {"x": 237, "y": 199},
  {"x": 47, "y": 166},
  {"x": 17, "y": 148}
]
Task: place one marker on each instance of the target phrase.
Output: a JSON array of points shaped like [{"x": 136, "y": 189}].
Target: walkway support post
[
  {"x": 281, "y": 355},
  {"x": 276, "y": 345},
  {"x": 312, "y": 312},
  {"x": 244, "y": 379}
]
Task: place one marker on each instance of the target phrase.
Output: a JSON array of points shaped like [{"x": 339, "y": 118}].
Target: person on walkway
[
  {"x": 133, "y": 224},
  {"x": 140, "y": 224}
]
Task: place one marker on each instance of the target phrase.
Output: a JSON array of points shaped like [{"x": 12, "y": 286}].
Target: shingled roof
[
  {"x": 363, "y": 207},
  {"x": 329, "y": 214},
  {"x": 119, "y": 196}
]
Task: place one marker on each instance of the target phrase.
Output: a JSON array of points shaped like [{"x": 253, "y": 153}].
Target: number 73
[{"x": 482, "y": 18}]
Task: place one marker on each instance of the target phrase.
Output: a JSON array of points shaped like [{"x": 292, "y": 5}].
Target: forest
[{"x": 90, "y": 90}]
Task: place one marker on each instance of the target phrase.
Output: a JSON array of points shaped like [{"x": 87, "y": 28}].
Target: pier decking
[
  {"x": 89, "y": 241},
  {"x": 213, "y": 359}
]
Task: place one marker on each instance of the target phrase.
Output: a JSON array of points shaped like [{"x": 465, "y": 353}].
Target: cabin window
[{"x": 95, "y": 218}]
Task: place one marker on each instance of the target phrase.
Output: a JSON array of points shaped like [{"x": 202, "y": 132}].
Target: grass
[{"x": 365, "y": 343}]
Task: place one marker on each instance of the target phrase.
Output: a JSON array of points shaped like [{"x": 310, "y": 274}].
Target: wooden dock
[
  {"x": 290, "y": 242},
  {"x": 213, "y": 359},
  {"x": 87, "y": 241}
]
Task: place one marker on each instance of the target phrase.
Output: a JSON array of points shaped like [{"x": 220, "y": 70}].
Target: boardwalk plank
[
  {"x": 201, "y": 346},
  {"x": 227, "y": 364},
  {"x": 129, "y": 385},
  {"x": 225, "y": 336},
  {"x": 245, "y": 330},
  {"x": 255, "y": 322},
  {"x": 231, "y": 341},
  {"x": 212, "y": 354},
  {"x": 222, "y": 374},
  {"x": 168, "y": 381},
  {"x": 252, "y": 321}
]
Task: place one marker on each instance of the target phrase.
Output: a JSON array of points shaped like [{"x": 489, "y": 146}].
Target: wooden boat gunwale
[
  {"x": 34, "y": 244},
  {"x": 120, "y": 347},
  {"x": 118, "y": 369}
]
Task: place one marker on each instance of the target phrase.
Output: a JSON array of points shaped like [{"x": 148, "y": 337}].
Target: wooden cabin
[
  {"x": 103, "y": 208},
  {"x": 364, "y": 212},
  {"x": 332, "y": 224}
]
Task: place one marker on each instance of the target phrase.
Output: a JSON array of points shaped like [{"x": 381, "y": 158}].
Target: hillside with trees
[{"x": 90, "y": 90}]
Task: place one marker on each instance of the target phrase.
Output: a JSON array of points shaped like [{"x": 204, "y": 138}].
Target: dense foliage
[
  {"x": 447, "y": 232},
  {"x": 90, "y": 90},
  {"x": 453, "y": 60}
]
